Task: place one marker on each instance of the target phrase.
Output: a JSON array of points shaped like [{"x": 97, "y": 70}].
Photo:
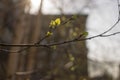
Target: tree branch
[{"x": 38, "y": 44}]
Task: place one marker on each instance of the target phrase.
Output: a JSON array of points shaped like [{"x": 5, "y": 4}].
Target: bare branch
[{"x": 38, "y": 44}]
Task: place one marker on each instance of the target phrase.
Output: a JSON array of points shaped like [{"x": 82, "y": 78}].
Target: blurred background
[{"x": 27, "y": 21}]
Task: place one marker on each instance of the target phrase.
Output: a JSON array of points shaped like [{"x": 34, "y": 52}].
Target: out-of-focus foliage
[{"x": 67, "y": 61}]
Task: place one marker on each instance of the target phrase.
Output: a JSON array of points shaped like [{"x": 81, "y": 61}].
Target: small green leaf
[
  {"x": 71, "y": 57},
  {"x": 72, "y": 68},
  {"x": 74, "y": 16},
  {"x": 57, "y": 21},
  {"x": 52, "y": 24},
  {"x": 74, "y": 34},
  {"x": 85, "y": 34},
  {"x": 49, "y": 33},
  {"x": 54, "y": 47}
]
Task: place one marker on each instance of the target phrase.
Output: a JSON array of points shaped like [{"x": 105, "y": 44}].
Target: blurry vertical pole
[
  {"x": 19, "y": 30},
  {"x": 20, "y": 72},
  {"x": 34, "y": 38},
  {"x": 3, "y": 36}
]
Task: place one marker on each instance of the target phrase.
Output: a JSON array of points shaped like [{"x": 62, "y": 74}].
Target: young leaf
[
  {"x": 74, "y": 17},
  {"x": 74, "y": 34},
  {"x": 57, "y": 21},
  {"x": 52, "y": 24},
  {"x": 49, "y": 33},
  {"x": 71, "y": 57},
  {"x": 85, "y": 34},
  {"x": 72, "y": 68},
  {"x": 54, "y": 47}
]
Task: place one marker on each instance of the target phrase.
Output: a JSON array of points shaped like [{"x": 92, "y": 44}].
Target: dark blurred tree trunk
[
  {"x": 5, "y": 34},
  {"x": 34, "y": 38},
  {"x": 19, "y": 30},
  {"x": 22, "y": 57}
]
